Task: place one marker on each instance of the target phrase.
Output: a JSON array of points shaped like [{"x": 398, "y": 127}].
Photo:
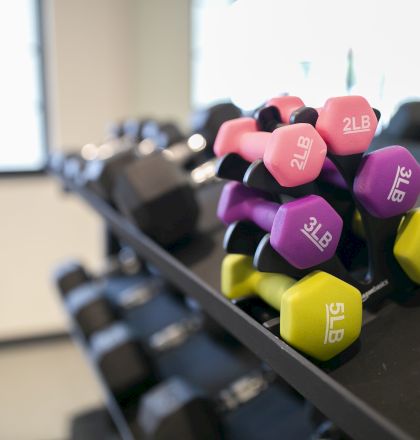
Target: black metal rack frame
[{"x": 342, "y": 394}]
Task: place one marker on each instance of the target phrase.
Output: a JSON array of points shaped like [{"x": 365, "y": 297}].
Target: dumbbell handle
[
  {"x": 240, "y": 203},
  {"x": 252, "y": 145},
  {"x": 261, "y": 212},
  {"x": 243, "y": 390},
  {"x": 268, "y": 283},
  {"x": 245, "y": 140}
]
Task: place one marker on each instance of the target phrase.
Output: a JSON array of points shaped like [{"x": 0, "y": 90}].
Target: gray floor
[{"x": 42, "y": 385}]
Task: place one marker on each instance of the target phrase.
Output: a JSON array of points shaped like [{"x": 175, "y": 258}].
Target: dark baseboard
[{"x": 36, "y": 339}]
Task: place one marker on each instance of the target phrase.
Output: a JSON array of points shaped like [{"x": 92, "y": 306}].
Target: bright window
[
  {"x": 251, "y": 50},
  {"x": 22, "y": 103}
]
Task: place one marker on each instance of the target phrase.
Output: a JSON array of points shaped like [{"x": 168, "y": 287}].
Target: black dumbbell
[
  {"x": 157, "y": 196},
  {"x": 133, "y": 129},
  {"x": 89, "y": 299},
  {"x": 90, "y": 308},
  {"x": 187, "y": 151},
  {"x": 207, "y": 122},
  {"x": 95, "y": 302},
  {"x": 70, "y": 275},
  {"x": 85, "y": 298},
  {"x": 162, "y": 134},
  {"x": 198, "y": 146},
  {"x": 128, "y": 129},
  {"x": 99, "y": 174},
  {"x": 178, "y": 409},
  {"x": 405, "y": 124},
  {"x": 124, "y": 262},
  {"x": 127, "y": 364}
]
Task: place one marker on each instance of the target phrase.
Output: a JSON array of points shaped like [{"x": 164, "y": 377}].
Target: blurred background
[{"x": 72, "y": 67}]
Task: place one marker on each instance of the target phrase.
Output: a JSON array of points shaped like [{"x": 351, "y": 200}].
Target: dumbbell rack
[{"x": 372, "y": 394}]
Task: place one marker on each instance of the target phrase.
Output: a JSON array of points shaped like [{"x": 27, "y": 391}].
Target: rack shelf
[{"x": 373, "y": 394}]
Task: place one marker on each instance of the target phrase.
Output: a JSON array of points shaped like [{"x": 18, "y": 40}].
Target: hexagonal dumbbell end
[
  {"x": 388, "y": 181},
  {"x": 295, "y": 154},
  {"x": 241, "y": 136},
  {"x": 306, "y": 231},
  {"x": 347, "y": 124},
  {"x": 321, "y": 315},
  {"x": 237, "y": 202},
  {"x": 407, "y": 245}
]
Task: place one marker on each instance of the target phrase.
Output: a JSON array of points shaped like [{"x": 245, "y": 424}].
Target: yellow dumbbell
[
  {"x": 321, "y": 315},
  {"x": 407, "y": 245},
  {"x": 357, "y": 224}
]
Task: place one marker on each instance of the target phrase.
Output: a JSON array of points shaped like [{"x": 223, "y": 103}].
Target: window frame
[{"x": 39, "y": 21}]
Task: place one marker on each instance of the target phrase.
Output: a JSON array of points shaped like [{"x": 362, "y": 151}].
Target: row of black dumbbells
[
  {"x": 149, "y": 171},
  {"x": 171, "y": 371}
]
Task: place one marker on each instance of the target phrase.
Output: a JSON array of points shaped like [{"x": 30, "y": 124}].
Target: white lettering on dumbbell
[
  {"x": 374, "y": 289},
  {"x": 300, "y": 160},
  {"x": 402, "y": 176},
  {"x": 354, "y": 125},
  {"x": 334, "y": 314},
  {"x": 311, "y": 229}
]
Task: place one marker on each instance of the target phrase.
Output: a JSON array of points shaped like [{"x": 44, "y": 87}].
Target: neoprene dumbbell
[
  {"x": 321, "y": 315},
  {"x": 305, "y": 232},
  {"x": 294, "y": 154},
  {"x": 387, "y": 181},
  {"x": 407, "y": 245},
  {"x": 178, "y": 409},
  {"x": 347, "y": 124}
]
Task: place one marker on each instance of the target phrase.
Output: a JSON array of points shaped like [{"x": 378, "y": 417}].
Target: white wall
[
  {"x": 162, "y": 81},
  {"x": 107, "y": 59}
]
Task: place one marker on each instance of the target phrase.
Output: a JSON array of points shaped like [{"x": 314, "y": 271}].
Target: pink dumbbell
[
  {"x": 286, "y": 105},
  {"x": 347, "y": 124},
  {"x": 294, "y": 154}
]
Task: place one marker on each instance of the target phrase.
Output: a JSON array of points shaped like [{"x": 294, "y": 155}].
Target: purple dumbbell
[
  {"x": 388, "y": 181},
  {"x": 330, "y": 174},
  {"x": 305, "y": 232}
]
